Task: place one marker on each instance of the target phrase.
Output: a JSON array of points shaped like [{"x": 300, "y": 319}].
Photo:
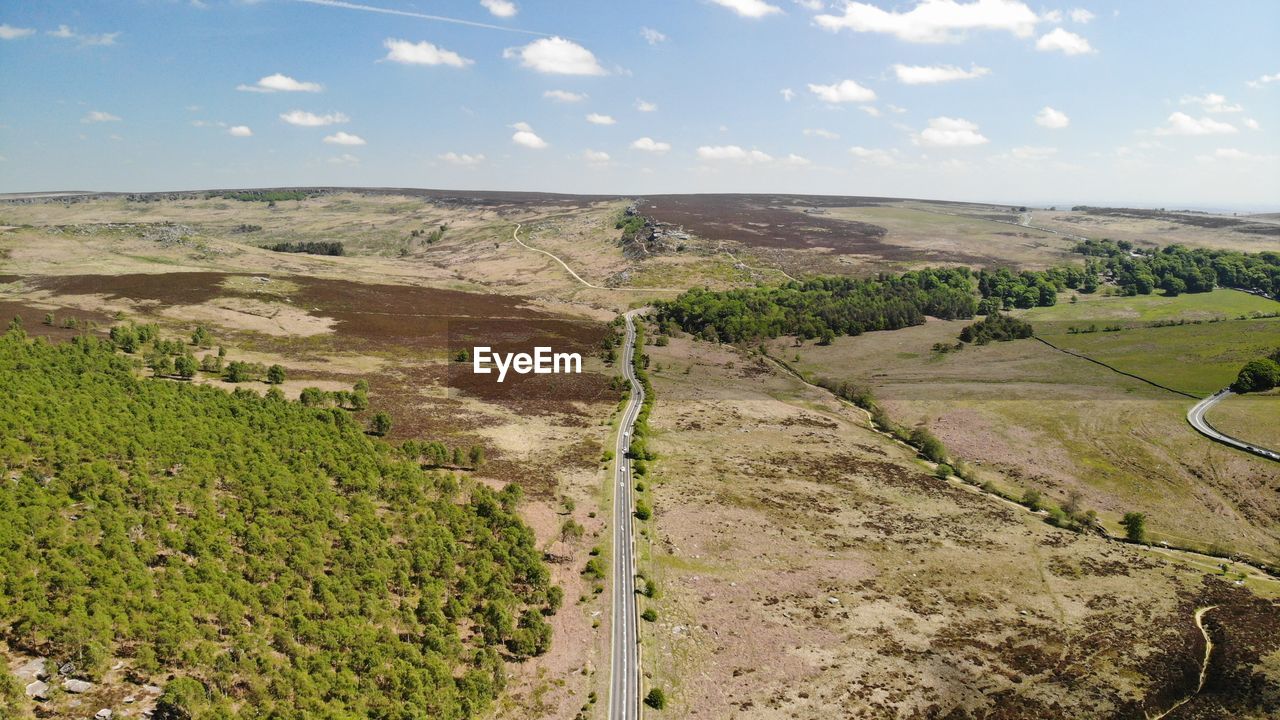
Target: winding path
[{"x": 1204, "y": 664}]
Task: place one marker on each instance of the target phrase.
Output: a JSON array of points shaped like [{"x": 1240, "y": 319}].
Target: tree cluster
[
  {"x": 1259, "y": 375},
  {"x": 823, "y": 307},
  {"x": 310, "y": 247},
  {"x": 996, "y": 327},
  {"x": 272, "y": 559},
  {"x": 1176, "y": 269}
]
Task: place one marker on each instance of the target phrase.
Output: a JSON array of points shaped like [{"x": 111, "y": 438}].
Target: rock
[
  {"x": 129, "y": 699},
  {"x": 38, "y": 690},
  {"x": 118, "y": 665},
  {"x": 72, "y": 685},
  {"x": 833, "y": 600},
  {"x": 153, "y": 689},
  {"x": 103, "y": 714},
  {"x": 32, "y": 670}
]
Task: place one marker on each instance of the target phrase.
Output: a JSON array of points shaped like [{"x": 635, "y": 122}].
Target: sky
[{"x": 1159, "y": 103}]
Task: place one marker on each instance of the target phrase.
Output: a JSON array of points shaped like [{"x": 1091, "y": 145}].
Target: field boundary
[{"x": 1114, "y": 369}]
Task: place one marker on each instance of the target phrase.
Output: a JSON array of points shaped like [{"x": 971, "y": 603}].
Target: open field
[
  {"x": 1254, "y": 417},
  {"x": 1218, "y": 304},
  {"x": 805, "y": 563},
  {"x": 1031, "y": 416},
  {"x": 1195, "y": 359},
  {"x": 1150, "y": 228}
]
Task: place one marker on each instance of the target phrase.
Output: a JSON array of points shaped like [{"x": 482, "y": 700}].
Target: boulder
[
  {"x": 38, "y": 690},
  {"x": 72, "y": 685}
]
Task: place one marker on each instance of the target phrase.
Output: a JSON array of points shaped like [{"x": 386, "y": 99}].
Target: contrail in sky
[{"x": 420, "y": 16}]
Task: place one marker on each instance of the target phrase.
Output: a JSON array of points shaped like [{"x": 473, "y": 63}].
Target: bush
[
  {"x": 643, "y": 511},
  {"x": 943, "y": 471},
  {"x": 656, "y": 699},
  {"x": 1135, "y": 526},
  {"x": 1032, "y": 499},
  {"x": 649, "y": 614}
]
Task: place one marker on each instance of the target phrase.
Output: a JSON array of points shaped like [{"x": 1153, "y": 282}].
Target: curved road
[
  {"x": 624, "y": 671},
  {"x": 1195, "y": 416}
]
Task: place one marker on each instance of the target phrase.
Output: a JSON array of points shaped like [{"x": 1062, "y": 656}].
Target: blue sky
[{"x": 1170, "y": 103}]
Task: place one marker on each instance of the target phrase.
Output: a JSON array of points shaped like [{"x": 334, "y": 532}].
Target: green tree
[
  {"x": 381, "y": 424},
  {"x": 1032, "y": 498},
  {"x": 275, "y": 374},
  {"x": 200, "y": 337},
  {"x": 476, "y": 455},
  {"x": 649, "y": 615},
  {"x": 1135, "y": 526},
  {"x": 1257, "y": 376}
]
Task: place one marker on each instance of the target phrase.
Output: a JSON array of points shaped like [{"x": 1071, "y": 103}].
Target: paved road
[
  {"x": 1195, "y": 416},
  {"x": 624, "y": 673}
]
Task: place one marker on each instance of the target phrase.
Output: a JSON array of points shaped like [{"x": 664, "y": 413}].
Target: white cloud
[
  {"x": 651, "y": 36},
  {"x": 342, "y": 138},
  {"x": 97, "y": 116},
  {"x": 1053, "y": 16},
  {"x": 813, "y": 5},
  {"x": 598, "y": 119},
  {"x": 732, "y": 152},
  {"x": 240, "y": 131},
  {"x": 871, "y": 110},
  {"x": 843, "y": 91},
  {"x": 645, "y": 106},
  {"x": 303, "y": 118},
  {"x": 951, "y": 132},
  {"x": 935, "y": 21},
  {"x": 9, "y": 32},
  {"x": 461, "y": 159},
  {"x": 1183, "y": 124},
  {"x": 280, "y": 83},
  {"x": 67, "y": 33},
  {"x": 875, "y": 156},
  {"x": 648, "y": 144},
  {"x": 1264, "y": 80},
  {"x": 749, "y": 8},
  {"x": 345, "y": 159},
  {"x": 1211, "y": 102},
  {"x": 524, "y": 135},
  {"x": 564, "y": 96},
  {"x": 928, "y": 74},
  {"x": 422, "y": 53},
  {"x": 787, "y": 94},
  {"x": 1053, "y": 119},
  {"x": 795, "y": 160},
  {"x": 595, "y": 157},
  {"x": 1082, "y": 16},
  {"x": 1251, "y": 124},
  {"x": 819, "y": 132},
  {"x": 500, "y": 8},
  {"x": 1234, "y": 155},
  {"x": 895, "y": 109},
  {"x": 1064, "y": 41},
  {"x": 556, "y": 55},
  {"x": 1033, "y": 153}
]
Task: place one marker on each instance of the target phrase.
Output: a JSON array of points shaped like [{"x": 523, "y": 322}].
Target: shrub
[{"x": 656, "y": 699}]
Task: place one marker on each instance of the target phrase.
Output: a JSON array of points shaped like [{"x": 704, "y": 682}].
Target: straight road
[
  {"x": 1195, "y": 416},
  {"x": 624, "y": 671}
]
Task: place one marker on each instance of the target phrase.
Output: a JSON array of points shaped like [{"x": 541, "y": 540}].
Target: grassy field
[
  {"x": 1254, "y": 417},
  {"x": 1033, "y": 417},
  {"x": 1196, "y": 359},
  {"x": 1218, "y": 304}
]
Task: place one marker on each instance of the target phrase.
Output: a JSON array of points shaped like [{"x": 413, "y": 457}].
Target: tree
[
  {"x": 656, "y": 699},
  {"x": 643, "y": 511},
  {"x": 160, "y": 365},
  {"x": 649, "y": 614},
  {"x": 1135, "y": 526},
  {"x": 48, "y": 318},
  {"x": 1257, "y": 376},
  {"x": 1032, "y": 498},
  {"x": 201, "y": 337},
  {"x": 275, "y": 374},
  {"x": 312, "y": 397},
  {"x": 476, "y": 456},
  {"x": 185, "y": 366},
  {"x": 381, "y": 424}
]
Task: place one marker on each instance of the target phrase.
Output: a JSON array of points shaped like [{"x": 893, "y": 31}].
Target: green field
[
  {"x": 1196, "y": 359},
  {"x": 1254, "y": 417},
  {"x": 1221, "y": 303}
]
